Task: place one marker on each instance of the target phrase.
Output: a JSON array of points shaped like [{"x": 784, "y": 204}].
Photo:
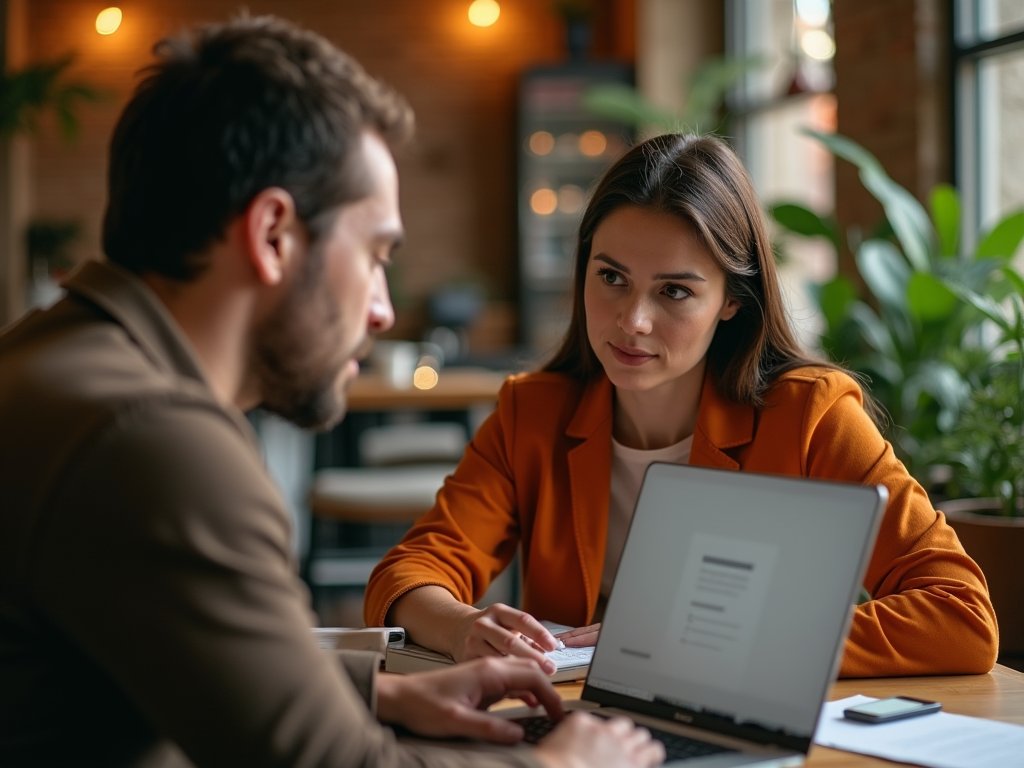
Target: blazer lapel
[
  {"x": 721, "y": 424},
  {"x": 590, "y": 467}
]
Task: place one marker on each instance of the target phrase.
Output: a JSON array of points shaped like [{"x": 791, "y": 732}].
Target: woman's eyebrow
[
  {"x": 679, "y": 276},
  {"x": 692, "y": 276},
  {"x": 612, "y": 262}
]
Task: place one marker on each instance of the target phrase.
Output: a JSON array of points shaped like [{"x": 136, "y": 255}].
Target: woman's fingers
[
  {"x": 509, "y": 643},
  {"x": 581, "y": 637}
]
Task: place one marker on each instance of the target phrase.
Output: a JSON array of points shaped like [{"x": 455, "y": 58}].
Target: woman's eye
[
  {"x": 676, "y": 292},
  {"x": 610, "y": 277}
]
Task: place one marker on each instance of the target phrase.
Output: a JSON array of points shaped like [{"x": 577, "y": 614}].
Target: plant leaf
[
  {"x": 1004, "y": 238},
  {"x": 1014, "y": 278},
  {"x": 625, "y": 104},
  {"x": 714, "y": 78},
  {"x": 873, "y": 330},
  {"x": 929, "y": 298},
  {"x": 945, "y": 205},
  {"x": 885, "y": 272},
  {"x": 803, "y": 221},
  {"x": 983, "y": 304},
  {"x": 907, "y": 216},
  {"x": 835, "y": 298},
  {"x": 943, "y": 383}
]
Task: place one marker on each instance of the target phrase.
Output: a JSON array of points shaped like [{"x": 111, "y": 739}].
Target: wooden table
[
  {"x": 998, "y": 695},
  {"x": 457, "y": 389}
]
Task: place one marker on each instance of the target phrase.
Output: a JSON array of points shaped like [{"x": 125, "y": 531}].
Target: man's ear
[{"x": 270, "y": 234}]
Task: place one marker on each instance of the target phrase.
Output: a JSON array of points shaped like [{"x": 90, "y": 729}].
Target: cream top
[{"x": 628, "y": 468}]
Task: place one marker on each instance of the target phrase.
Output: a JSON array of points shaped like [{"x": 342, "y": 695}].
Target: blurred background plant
[
  {"x": 26, "y": 93},
  {"x": 704, "y": 111},
  {"x": 940, "y": 334}
]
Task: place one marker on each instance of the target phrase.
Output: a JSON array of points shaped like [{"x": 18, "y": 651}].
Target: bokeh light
[
  {"x": 425, "y": 377},
  {"x": 570, "y": 198},
  {"x": 818, "y": 44},
  {"x": 593, "y": 143},
  {"x": 544, "y": 201},
  {"x": 541, "y": 143}
]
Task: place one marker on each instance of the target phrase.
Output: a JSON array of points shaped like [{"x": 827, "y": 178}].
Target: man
[{"x": 149, "y": 614}]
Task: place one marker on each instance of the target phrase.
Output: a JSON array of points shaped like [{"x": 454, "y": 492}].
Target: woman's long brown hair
[{"x": 699, "y": 180}]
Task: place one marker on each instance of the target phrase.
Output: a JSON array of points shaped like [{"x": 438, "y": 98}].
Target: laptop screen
[{"x": 734, "y": 593}]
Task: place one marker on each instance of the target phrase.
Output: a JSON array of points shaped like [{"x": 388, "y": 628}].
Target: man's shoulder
[
  {"x": 78, "y": 363},
  {"x": 74, "y": 382}
]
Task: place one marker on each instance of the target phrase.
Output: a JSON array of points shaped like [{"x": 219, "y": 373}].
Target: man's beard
[{"x": 297, "y": 353}]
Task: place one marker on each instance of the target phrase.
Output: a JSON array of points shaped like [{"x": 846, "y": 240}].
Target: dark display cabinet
[{"x": 563, "y": 150}]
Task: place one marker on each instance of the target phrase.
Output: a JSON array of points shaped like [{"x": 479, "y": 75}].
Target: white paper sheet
[{"x": 938, "y": 741}]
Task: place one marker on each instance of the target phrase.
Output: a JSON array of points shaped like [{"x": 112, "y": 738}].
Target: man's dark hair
[{"x": 228, "y": 111}]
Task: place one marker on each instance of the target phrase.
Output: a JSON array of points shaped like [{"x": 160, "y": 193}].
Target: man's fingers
[
  {"x": 475, "y": 724},
  {"x": 519, "y": 675},
  {"x": 527, "y": 697},
  {"x": 652, "y": 753}
]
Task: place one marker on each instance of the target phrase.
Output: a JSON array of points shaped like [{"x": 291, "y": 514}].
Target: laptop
[{"x": 729, "y": 613}]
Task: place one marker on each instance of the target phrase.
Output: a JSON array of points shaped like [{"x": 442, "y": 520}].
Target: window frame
[{"x": 969, "y": 51}]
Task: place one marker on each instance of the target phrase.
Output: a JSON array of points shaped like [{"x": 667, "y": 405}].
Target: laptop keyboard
[{"x": 676, "y": 747}]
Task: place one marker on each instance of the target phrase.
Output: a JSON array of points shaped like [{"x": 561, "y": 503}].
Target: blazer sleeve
[
  {"x": 470, "y": 535},
  {"x": 930, "y": 611},
  {"x": 167, "y": 566}
]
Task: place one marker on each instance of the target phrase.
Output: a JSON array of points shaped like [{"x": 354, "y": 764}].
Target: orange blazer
[{"x": 537, "y": 475}]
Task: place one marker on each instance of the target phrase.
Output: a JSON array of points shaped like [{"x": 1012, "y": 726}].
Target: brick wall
[
  {"x": 892, "y": 89},
  {"x": 458, "y": 180}
]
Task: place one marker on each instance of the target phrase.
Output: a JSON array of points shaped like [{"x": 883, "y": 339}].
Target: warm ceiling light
[
  {"x": 483, "y": 13},
  {"x": 108, "y": 21}
]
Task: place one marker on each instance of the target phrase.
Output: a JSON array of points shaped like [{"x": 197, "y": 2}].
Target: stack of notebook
[{"x": 571, "y": 663}]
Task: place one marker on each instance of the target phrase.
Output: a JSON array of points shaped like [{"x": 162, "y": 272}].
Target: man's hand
[
  {"x": 585, "y": 741},
  {"x": 499, "y": 630},
  {"x": 581, "y": 637},
  {"x": 450, "y": 702}
]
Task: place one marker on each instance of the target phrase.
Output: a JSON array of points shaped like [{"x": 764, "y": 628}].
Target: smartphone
[{"x": 894, "y": 708}]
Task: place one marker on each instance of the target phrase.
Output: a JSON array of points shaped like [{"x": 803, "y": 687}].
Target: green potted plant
[
  {"x": 940, "y": 335},
  {"x": 26, "y": 92},
  {"x": 702, "y": 112}
]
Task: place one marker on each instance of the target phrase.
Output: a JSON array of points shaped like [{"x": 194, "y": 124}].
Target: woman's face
[{"x": 654, "y": 296}]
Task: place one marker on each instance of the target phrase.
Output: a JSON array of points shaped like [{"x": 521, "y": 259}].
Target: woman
[{"x": 680, "y": 350}]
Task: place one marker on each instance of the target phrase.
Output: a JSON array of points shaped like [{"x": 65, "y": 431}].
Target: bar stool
[{"x": 403, "y": 467}]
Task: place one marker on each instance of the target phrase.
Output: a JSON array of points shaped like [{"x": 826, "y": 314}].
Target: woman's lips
[{"x": 630, "y": 356}]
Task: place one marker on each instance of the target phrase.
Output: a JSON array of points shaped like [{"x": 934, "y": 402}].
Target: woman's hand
[
  {"x": 451, "y": 702},
  {"x": 581, "y": 637},
  {"x": 592, "y": 742},
  {"x": 500, "y": 630}
]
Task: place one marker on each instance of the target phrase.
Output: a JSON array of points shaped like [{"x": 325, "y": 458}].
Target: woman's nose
[{"x": 635, "y": 317}]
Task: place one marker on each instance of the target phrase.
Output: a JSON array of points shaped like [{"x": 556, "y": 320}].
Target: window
[
  {"x": 787, "y": 89},
  {"x": 989, "y": 98}
]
